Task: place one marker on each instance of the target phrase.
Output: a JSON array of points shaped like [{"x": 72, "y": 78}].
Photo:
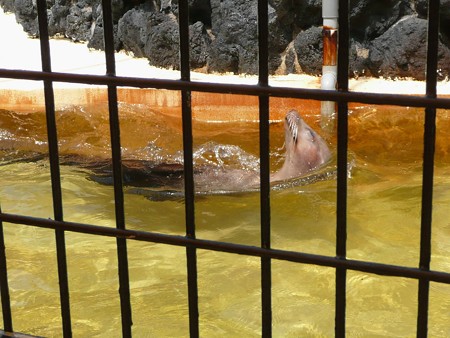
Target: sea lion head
[{"x": 305, "y": 149}]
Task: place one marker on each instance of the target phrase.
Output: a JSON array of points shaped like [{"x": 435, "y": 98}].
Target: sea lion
[
  {"x": 305, "y": 149},
  {"x": 305, "y": 152}
]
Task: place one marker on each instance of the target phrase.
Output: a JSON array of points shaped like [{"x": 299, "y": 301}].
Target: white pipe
[
  {"x": 328, "y": 108},
  {"x": 330, "y": 14},
  {"x": 330, "y": 11},
  {"x": 329, "y": 77},
  {"x": 330, "y": 23}
]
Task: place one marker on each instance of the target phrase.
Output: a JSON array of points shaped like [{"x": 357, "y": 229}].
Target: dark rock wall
[{"x": 388, "y": 37}]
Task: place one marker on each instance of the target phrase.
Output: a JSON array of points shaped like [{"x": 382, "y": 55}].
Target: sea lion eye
[{"x": 312, "y": 134}]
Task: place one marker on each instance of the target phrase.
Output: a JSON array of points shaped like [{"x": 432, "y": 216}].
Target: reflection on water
[{"x": 383, "y": 226}]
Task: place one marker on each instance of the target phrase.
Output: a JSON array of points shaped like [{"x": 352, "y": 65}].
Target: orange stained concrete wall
[{"x": 205, "y": 106}]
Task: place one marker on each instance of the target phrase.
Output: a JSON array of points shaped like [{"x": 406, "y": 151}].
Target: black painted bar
[
  {"x": 423, "y": 273},
  {"x": 122, "y": 255},
  {"x": 428, "y": 167},
  {"x": 4, "y": 287},
  {"x": 291, "y": 256},
  {"x": 264, "y": 153},
  {"x": 52, "y": 137},
  {"x": 186, "y": 111},
  {"x": 228, "y": 88},
  {"x": 342, "y": 149}
]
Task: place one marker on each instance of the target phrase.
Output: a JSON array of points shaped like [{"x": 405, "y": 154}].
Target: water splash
[{"x": 224, "y": 156}]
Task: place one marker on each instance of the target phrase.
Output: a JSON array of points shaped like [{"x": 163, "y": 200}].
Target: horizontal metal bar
[
  {"x": 244, "y": 89},
  {"x": 6, "y": 334},
  {"x": 292, "y": 256}
]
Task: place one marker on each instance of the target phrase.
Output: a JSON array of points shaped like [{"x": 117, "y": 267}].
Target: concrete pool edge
[{"x": 209, "y": 107}]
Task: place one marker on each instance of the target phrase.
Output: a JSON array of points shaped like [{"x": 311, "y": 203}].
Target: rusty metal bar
[
  {"x": 4, "y": 287},
  {"x": 54, "y": 169},
  {"x": 291, "y": 256},
  {"x": 342, "y": 148},
  {"x": 428, "y": 167},
  {"x": 254, "y": 90},
  {"x": 264, "y": 153},
  {"x": 122, "y": 256},
  {"x": 186, "y": 111}
]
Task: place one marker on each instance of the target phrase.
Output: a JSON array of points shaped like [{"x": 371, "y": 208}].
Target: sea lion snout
[{"x": 298, "y": 129}]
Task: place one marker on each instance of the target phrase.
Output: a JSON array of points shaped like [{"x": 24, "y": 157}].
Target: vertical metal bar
[
  {"x": 122, "y": 256},
  {"x": 341, "y": 216},
  {"x": 54, "y": 169},
  {"x": 428, "y": 167},
  {"x": 4, "y": 288},
  {"x": 186, "y": 111},
  {"x": 342, "y": 145},
  {"x": 191, "y": 252},
  {"x": 264, "y": 151}
]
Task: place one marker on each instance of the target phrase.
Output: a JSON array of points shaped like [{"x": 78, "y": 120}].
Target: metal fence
[{"x": 343, "y": 96}]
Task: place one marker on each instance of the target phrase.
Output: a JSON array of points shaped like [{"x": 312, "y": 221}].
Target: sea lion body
[{"x": 305, "y": 152}]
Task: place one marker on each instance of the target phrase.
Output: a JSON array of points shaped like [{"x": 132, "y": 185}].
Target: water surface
[{"x": 384, "y": 205}]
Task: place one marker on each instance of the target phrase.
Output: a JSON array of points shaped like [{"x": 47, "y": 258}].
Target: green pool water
[{"x": 384, "y": 203}]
